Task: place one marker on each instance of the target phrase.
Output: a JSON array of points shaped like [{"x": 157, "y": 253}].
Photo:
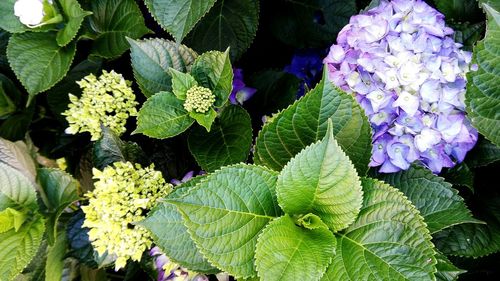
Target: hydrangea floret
[
  {"x": 35, "y": 13},
  {"x": 107, "y": 100},
  {"x": 123, "y": 194},
  {"x": 170, "y": 271},
  {"x": 199, "y": 99},
  {"x": 240, "y": 93},
  {"x": 403, "y": 67}
]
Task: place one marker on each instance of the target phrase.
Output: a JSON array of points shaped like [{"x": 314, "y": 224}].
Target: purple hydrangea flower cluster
[
  {"x": 306, "y": 65},
  {"x": 240, "y": 92},
  {"x": 403, "y": 67}
]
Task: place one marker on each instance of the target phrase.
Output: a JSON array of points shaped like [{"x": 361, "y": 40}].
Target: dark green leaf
[
  {"x": 7, "y": 106},
  {"x": 151, "y": 60},
  {"x": 305, "y": 122},
  {"x": 163, "y": 116},
  {"x": 60, "y": 190},
  {"x": 55, "y": 258},
  {"x": 437, "y": 201},
  {"x": 178, "y": 17},
  {"x": 230, "y": 23},
  {"x": 38, "y": 62},
  {"x": 227, "y": 143},
  {"x": 446, "y": 271},
  {"x": 113, "y": 21},
  {"x": 16, "y": 126},
  {"x": 459, "y": 10},
  {"x": 484, "y": 153},
  {"x": 74, "y": 15},
  {"x": 460, "y": 175}
]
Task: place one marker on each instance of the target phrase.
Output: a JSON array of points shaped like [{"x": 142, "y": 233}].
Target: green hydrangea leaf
[
  {"x": 110, "y": 148},
  {"x": 11, "y": 218},
  {"x": 388, "y": 241},
  {"x": 181, "y": 83},
  {"x": 38, "y": 62},
  {"x": 446, "y": 271},
  {"x": 55, "y": 258},
  {"x": 286, "y": 251},
  {"x": 10, "y": 22},
  {"x": 74, "y": 15},
  {"x": 204, "y": 119},
  {"x": 213, "y": 70},
  {"x": 305, "y": 122},
  {"x": 230, "y": 23},
  {"x": 170, "y": 234},
  {"x": 484, "y": 153},
  {"x": 483, "y": 95},
  {"x": 163, "y": 116},
  {"x": 16, "y": 191},
  {"x": 7, "y": 106},
  {"x": 112, "y": 22},
  {"x": 225, "y": 213},
  {"x": 321, "y": 180},
  {"x": 459, "y": 10},
  {"x": 60, "y": 189},
  {"x": 234, "y": 128},
  {"x": 178, "y": 17},
  {"x": 437, "y": 201},
  {"x": 151, "y": 60},
  {"x": 17, "y": 248},
  {"x": 460, "y": 175}
]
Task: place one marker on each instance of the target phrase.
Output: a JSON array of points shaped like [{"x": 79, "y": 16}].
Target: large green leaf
[
  {"x": 388, "y": 241},
  {"x": 38, "y": 62},
  {"x": 305, "y": 122},
  {"x": 55, "y": 258},
  {"x": 178, "y": 17},
  {"x": 228, "y": 142},
  {"x": 163, "y": 116},
  {"x": 437, "y": 201},
  {"x": 446, "y": 271},
  {"x": 74, "y": 15},
  {"x": 151, "y": 59},
  {"x": 225, "y": 213},
  {"x": 110, "y": 148},
  {"x": 484, "y": 153},
  {"x": 286, "y": 251},
  {"x": 321, "y": 180},
  {"x": 18, "y": 248},
  {"x": 10, "y": 21},
  {"x": 230, "y": 23},
  {"x": 483, "y": 94},
  {"x": 311, "y": 23},
  {"x": 60, "y": 190},
  {"x": 213, "y": 70},
  {"x": 459, "y": 10},
  {"x": 16, "y": 190},
  {"x": 17, "y": 155},
  {"x": 170, "y": 234},
  {"x": 113, "y": 21}
]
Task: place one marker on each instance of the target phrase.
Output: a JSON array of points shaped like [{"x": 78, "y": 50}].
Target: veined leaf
[
  {"x": 16, "y": 190},
  {"x": 163, "y": 116},
  {"x": 181, "y": 83},
  {"x": 11, "y": 218},
  {"x": 437, "y": 201},
  {"x": 484, "y": 153},
  {"x": 61, "y": 190},
  {"x": 113, "y": 21},
  {"x": 213, "y": 70},
  {"x": 17, "y": 155},
  {"x": 178, "y": 17},
  {"x": 230, "y": 23},
  {"x": 38, "y": 62},
  {"x": 321, "y": 180},
  {"x": 151, "y": 59},
  {"x": 305, "y": 122},
  {"x": 171, "y": 235},
  {"x": 227, "y": 143},
  {"x": 286, "y": 251},
  {"x": 446, "y": 271},
  {"x": 483, "y": 95},
  {"x": 388, "y": 241},
  {"x": 74, "y": 15},
  {"x": 18, "y": 248},
  {"x": 225, "y": 213}
]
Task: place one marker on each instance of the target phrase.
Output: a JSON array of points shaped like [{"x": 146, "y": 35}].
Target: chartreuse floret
[
  {"x": 107, "y": 100},
  {"x": 199, "y": 99},
  {"x": 122, "y": 196}
]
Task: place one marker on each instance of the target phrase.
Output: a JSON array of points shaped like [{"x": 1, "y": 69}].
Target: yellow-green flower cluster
[
  {"x": 122, "y": 196},
  {"x": 199, "y": 99},
  {"x": 108, "y": 100}
]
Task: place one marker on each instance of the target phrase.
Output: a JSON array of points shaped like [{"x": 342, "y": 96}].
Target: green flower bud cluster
[
  {"x": 108, "y": 100},
  {"x": 199, "y": 99},
  {"x": 122, "y": 196}
]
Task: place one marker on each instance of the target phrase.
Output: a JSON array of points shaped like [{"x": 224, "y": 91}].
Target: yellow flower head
[
  {"x": 122, "y": 196},
  {"x": 199, "y": 99},
  {"x": 108, "y": 100}
]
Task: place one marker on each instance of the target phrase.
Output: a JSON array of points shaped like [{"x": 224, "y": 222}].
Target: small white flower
[{"x": 30, "y": 12}]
